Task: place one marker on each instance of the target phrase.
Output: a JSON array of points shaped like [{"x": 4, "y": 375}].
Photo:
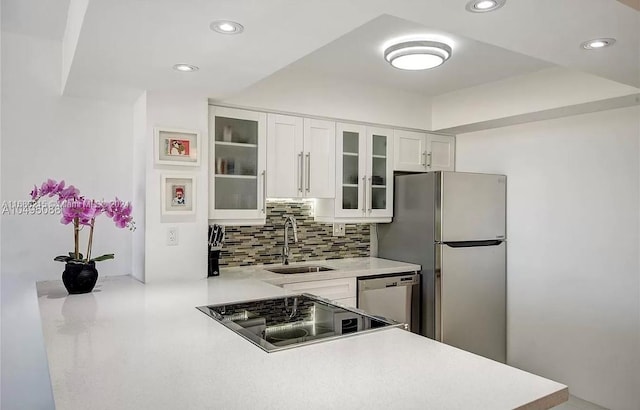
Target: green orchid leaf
[
  {"x": 72, "y": 255},
  {"x": 103, "y": 257},
  {"x": 62, "y": 258}
]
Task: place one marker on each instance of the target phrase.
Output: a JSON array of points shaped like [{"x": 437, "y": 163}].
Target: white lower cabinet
[
  {"x": 342, "y": 291},
  {"x": 348, "y": 302}
]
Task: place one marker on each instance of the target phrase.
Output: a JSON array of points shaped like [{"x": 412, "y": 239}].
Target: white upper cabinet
[
  {"x": 284, "y": 156},
  {"x": 379, "y": 188},
  {"x": 364, "y": 176},
  {"x": 410, "y": 151},
  {"x": 237, "y": 162},
  {"x": 348, "y": 168},
  {"x": 319, "y": 158},
  {"x": 421, "y": 152},
  {"x": 351, "y": 171},
  {"x": 300, "y": 157},
  {"x": 441, "y": 152}
]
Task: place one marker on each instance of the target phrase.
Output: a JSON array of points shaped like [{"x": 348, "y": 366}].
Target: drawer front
[
  {"x": 348, "y": 302},
  {"x": 332, "y": 289}
]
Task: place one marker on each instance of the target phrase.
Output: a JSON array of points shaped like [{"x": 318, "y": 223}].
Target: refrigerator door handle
[
  {"x": 438, "y": 293},
  {"x": 473, "y": 244}
]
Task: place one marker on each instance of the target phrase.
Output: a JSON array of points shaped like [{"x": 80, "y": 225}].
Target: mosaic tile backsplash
[{"x": 257, "y": 245}]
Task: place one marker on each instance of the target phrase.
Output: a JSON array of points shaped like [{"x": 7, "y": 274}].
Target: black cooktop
[{"x": 296, "y": 320}]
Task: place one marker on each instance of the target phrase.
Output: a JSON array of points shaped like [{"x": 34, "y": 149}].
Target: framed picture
[
  {"x": 177, "y": 147},
  {"x": 178, "y": 195}
]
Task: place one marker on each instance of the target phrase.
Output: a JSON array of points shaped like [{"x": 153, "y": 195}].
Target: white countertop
[
  {"x": 128, "y": 345},
  {"x": 343, "y": 268}
]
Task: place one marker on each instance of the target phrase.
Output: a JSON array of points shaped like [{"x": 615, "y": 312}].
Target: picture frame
[
  {"x": 173, "y": 146},
  {"x": 178, "y": 194}
]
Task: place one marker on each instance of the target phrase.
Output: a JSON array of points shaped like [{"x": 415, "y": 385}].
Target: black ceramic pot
[{"x": 79, "y": 277}]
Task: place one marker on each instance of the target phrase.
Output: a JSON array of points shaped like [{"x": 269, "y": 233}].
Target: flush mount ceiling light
[
  {"x": 417, "y": 55},
  {"x": 597, "y": 43},
  {"x": 185, "y": 68},
  {"x": 226, "y": 27},
  {"x": 483, "y": 6}
]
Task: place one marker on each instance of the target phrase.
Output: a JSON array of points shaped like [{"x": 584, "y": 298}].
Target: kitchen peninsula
[{"x": 128, "y": 345}]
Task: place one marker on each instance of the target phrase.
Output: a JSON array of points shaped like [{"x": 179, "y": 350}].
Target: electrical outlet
[
  {"x": 338, "y": 230},
  {"x": 172, "y": 236}
]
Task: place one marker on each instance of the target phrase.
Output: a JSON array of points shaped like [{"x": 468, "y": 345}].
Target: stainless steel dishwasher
[{"x": 395, "y": 297}]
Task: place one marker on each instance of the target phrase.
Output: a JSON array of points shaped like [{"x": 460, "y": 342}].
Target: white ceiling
[
  {"x": 132, "y": 44},
  {"x": 358, "y": 56},
  {"x": 39, "y": 18}
]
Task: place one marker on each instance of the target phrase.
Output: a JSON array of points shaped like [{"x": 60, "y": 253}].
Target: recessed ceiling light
[
  {"x": 483, "y": 6},
  {"x": 226, "y": 27},
  {"x": 598, "y": 43},
  {"x": 417, "y": 55},
  {"x": 185, "y": 68}
]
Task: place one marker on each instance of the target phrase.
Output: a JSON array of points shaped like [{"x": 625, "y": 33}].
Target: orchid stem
[
  {"x": 76, "y": 237},
  {"x": 90, "y": 240}
]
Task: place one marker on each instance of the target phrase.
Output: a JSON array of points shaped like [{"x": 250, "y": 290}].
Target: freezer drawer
[
  {"x": 471, "y": 299},
  {"x": 471, "y": 207}
]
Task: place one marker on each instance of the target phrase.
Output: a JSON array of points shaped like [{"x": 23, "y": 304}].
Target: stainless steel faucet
[{"x": 290, "y": 221}]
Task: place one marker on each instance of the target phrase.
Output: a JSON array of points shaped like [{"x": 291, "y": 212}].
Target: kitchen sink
[{"x": 299, "y": 269}]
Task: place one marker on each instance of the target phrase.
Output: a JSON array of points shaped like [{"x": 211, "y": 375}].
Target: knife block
[{"x": 213, "y": 268}]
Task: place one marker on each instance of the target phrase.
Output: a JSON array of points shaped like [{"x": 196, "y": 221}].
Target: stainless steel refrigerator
[{"x": 454, "y": 225}]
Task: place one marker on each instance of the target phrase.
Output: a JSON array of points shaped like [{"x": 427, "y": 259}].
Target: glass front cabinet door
[
  {"x": 237, "y": 162},
  {"x": 379, "y": 187},
  {"x": 364, "y": 173}
]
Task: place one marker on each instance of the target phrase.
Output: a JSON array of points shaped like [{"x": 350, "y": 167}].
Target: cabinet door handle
[
  {"x": 364, "y": 194},
  {"x": 264, "y": 192},
  {"x": 300, "y": 176},
  {"x": 429, "y": 160},
  {"x": 308, "y": 171},
  {"x": 424, "y": 159},
  {"x": 370, "y": 196}
]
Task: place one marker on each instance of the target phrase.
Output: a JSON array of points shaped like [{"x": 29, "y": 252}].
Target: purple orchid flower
[
  {"x": 78, "y": 210},
  {"x": 49, "y": 188},
  {"x": 70, "y": 192},
  {"x": 34, "y": 193},
  {"x": 120, "y": 212}
]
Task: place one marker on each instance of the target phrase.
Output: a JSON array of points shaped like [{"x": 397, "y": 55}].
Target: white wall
[
  {"x": 295, "y": 92},
  {"x": 85, "y": 142},
  {"x": 187, "y": 260},
  {"x": 75, "y": 18},
  {"x": 573, "y": 268},
  {"x": 530, "y": 93},
  {"x": 0, "y": 199},
  {"x": 140, "y": 152}
]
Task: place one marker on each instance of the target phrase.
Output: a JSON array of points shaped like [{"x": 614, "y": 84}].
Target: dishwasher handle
[{"x": 388, "y": 282}]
